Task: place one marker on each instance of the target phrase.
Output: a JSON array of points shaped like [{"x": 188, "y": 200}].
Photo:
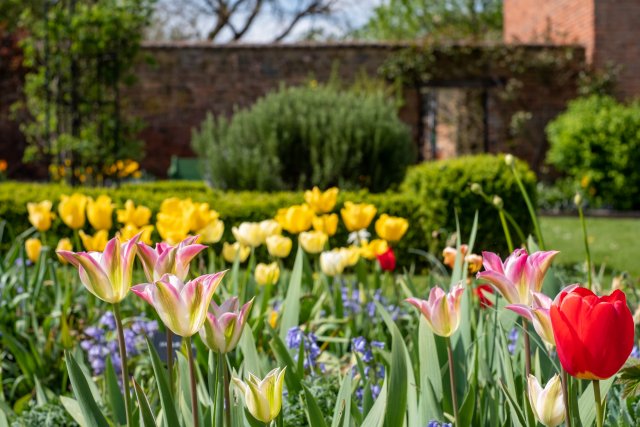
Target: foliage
[
  {"x": 437, "y": 20},
  {"x": 79, "y": 55},
  {"x": 444, "y": 186},
  {"x": 46, "y": 415},
  {"x": 596, "y": 142},
  {"x": 302, "y": 136}
]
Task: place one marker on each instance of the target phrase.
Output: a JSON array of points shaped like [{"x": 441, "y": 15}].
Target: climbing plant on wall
[{"x": 79, "y": 55}]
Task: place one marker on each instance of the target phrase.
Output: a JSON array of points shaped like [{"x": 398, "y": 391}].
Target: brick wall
[
  {"x": 177, "y": 84},
  {"x": 608, "y": 29},
  {"x": 185, "y": 81}
]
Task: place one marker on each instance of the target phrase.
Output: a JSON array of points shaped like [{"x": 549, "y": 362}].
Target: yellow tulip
[
  {"x": 391, "y": 228},
  {"x": 321, "y": 202},
  {"x": 95, "y": 243},
  {"x": 129, "y": 231},
  {"x": 172, "y": 228},
  {"x": 32, "y": 248},
  {"x": 267, "y": 274},
  {"x": 64, "y": 245},
  {"x": 100, "y": 212},
  {"x": 295, "y": 219},
  {"x": 350, "y": 255},
  {"x": 370, "y": 250},
  {"x": 136, "y": 216},
  {"x": 263, "y": 398},
  {"x": 199, "y": 215},
  {"x": 71, "y": 210},
  {"x": 273, "y": 319},
  {"x": 175, "y": 206},
  {"x": 270, "y": 227},
  {"x": 40, "y": 215},
  {"x": 279, "y": 246},
  {"x": 357, "y": 216},
  {"x": 248, "y": 234},
  {"x": 328, "y": 224},
  {"x": 313, "y": 241},
  {"x": 212, "y": 233},
  {"x": 231, "y": 251}
]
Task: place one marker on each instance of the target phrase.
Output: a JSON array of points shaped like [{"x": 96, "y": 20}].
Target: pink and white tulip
[
  {"x": 538, "y": 313},
  {"x": 519, "y": 275},
  {"x": 223, "y": 327},
  {"x": 106, "y": 274},
  {"x": 182, "y": 307},
  {"x": 167, "y": 259},
  {"x": 442, "y": 310}
]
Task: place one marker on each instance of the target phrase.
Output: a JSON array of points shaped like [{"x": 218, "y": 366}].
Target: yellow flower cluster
[
  {"x": 178, "y": 217},
  {"x": 313, "y": 222}
]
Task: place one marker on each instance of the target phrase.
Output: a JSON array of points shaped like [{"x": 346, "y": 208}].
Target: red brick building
[{"x": 609, "y": 30}]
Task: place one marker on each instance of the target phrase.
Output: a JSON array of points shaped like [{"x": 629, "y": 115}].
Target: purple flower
[
  {"x": 295, "y": 338},
  {"x": 513, "y": 340}
]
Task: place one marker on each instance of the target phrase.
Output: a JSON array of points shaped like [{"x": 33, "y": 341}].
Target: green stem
[
  {"x": 565, "y": 397},
  {"x": 76, "y": 240},
  {"x": 586, "y": 245},
  {"x": 123, "y": 363},
  {"x": 505, "y": 227},
  {"x": 599, "y": 411},
  {"x": 192, "y": 376},
  {"x": 227, "y": 400},
  {"x": 532, "y": 211},
  {"x": 527, "y": 347},
  {"x": 170, "y": 358},
  {"x": 452, "y": 380}
]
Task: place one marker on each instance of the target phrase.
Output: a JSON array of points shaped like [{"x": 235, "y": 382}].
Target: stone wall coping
[{"x": 337, "y": 45}]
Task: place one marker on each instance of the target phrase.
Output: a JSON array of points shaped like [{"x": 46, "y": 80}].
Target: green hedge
[
  {"x": 430, "y": 193},
  {"x": 443, "y": 187}
]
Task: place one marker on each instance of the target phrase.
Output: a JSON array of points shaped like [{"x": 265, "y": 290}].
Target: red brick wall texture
[{"x": 608, "y": 29}]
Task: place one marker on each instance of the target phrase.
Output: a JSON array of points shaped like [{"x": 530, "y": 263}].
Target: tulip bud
[
  {"x": 40, "y": 215},
  {"x": 332, "y": 262},
  {"x": 476, "y": 188},
  {"x": 313, "y": 241},
  {"x": 509, "y": 160},
  {"x": 391, "y": 228},
  {"x": 72, "y": 210},
  {"x": 441, "y": 310},
  {"x": 64, "y": 245},
  {"x": 498, "y": 202},
  {"x": 223, "y": 327},
  {"x": 577, "y": 199},
  {"x": 321, "y": 202},
  {"x": 279, "y": 246},
  {"x": 547, "y": 404},
  {"x": 263, "y": 398},
  {"x": 231, "y": 251},
  {"x": 357, "y": 216},
  {"x": 267, "y": 274},
  {"x": 32, "y": 248},
  {"x": 249, "y": 234}
]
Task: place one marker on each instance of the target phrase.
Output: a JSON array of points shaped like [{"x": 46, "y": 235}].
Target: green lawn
[{"x": 613, "y": 241}]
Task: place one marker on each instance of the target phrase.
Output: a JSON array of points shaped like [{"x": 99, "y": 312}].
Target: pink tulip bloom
[
  {"x": 106, "y": 274},
  {"x": 518, "y": 276},
  {"x": 538, "y": 314},
  {"x": 442, "y": 310},
  {"x": 167, "y": 259},
  {"x": 223, "y": 327},
  {"x": 182, "y": 307}
]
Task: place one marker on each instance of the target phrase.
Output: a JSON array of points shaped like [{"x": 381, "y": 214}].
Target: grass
[{"x": 613, "y": 241}]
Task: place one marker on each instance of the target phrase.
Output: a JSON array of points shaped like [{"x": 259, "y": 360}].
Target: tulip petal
[{"x": 502, "y": 284}]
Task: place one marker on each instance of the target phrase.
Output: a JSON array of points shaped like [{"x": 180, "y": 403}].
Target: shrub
[
  {"x": 444, "y": 186},
  {"x": 596, "y": 142},
  {"x": 302, "y": 136}
]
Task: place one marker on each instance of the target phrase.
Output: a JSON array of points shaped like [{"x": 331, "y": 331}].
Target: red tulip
[
  {"x": 481, "y": 291},
  {"x": 387, "y": 260},
  {"x": 594, "y": 335}
]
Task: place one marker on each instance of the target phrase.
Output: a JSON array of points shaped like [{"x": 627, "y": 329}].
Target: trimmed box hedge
[{"x": 430, "y": 193}]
